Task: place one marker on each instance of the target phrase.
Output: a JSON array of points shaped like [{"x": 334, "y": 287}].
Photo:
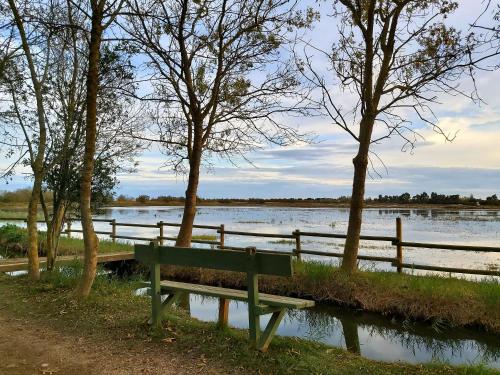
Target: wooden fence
[{"x": 397, "y": 241}]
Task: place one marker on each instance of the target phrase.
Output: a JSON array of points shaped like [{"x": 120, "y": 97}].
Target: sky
[{"x": 468, "y": 165}]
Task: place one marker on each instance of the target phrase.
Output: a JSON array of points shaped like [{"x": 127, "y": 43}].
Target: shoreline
[
  {"x": 272, "y": 204},
  {"x": 280, "y": 204}
]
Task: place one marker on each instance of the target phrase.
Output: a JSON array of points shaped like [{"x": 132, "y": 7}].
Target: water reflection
[{"x": 370, "y": 335}]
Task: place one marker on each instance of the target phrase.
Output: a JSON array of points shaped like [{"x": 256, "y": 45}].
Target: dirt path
[{"x": 26, "y": 348}]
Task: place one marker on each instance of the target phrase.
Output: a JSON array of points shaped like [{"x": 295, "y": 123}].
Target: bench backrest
[{"x": 227, "y": 260}]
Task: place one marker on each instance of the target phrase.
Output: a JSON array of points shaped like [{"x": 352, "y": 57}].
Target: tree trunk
[
  {"x": 54, "y": 229},
  {"x": 186, "y": 229},
  {"x": 38, "y": 159},
  {"x": 349, "y": 261},
  {"x": 90, "y": 239},
  {"x": 33, "y": 260}
]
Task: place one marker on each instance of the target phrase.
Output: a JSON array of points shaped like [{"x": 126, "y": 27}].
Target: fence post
[
  {"x": 160, "y": 225},
  {"x": 113, "y": 230},
  {"x": 399, "y": 248},
  {"x": 298, "y": 247},
  {"x": 68, "y": 228},
  {"x": 221, "y": 231}
]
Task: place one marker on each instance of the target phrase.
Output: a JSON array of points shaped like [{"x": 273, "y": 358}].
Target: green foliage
[{"x": 11, "y": 233}]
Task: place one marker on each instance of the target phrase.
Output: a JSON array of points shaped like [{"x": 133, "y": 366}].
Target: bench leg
[
  {"x": 270, "y": 330},
  {"x": 172, "y": 299},
  {"x": 223, "y": 313},
  {"x": 253, "y": 315},
  {"x": 156, "y": 305}
]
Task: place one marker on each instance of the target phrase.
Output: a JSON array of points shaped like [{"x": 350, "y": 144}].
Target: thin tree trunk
[
  {"x": 33, "y": 260},
  {"x": 186, "y": 230},
  {"x": 90, "y": 239},
  {"x": 54, "y": 228},
  {"x": 351, "y": 248},
  {"x": 38, "y": 159}
]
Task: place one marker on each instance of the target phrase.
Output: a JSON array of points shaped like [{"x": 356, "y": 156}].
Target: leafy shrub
[{"x": 11, "y": 233}]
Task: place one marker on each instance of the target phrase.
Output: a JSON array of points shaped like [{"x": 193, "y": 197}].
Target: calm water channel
[{"x": 370, "y": 335}]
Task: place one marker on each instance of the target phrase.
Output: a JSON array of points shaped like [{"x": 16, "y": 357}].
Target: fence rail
[{"x": 298, "y": 251}]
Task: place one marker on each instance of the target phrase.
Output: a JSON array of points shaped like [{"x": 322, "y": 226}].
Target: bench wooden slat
[
  {"x": 228, "y": 260},
  {"x": 235, "y": 294}
]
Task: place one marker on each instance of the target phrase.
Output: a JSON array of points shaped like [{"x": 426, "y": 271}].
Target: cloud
[{"x": 490, "y": 126}]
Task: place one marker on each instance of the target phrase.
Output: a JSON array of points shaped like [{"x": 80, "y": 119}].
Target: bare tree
[
  {"x": 29, "y": 75},
  {"x": 102, "y": 14},
  {"x": 488, "y": 30},
  {"x": 115, "y": 151},
  {"x": 65, "y": 66},
  {"x": 394, "y": 57},
  {"x": 220, "y": 79}
]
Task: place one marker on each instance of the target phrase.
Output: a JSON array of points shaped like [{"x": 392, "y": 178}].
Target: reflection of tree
[
  {"x": 441, "y": 342},
  {"x": 323, "y": 322},
  {"x": 350, "y": 329}
]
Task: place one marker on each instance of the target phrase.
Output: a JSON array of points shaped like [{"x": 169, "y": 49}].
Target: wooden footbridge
[{"x": 20, "y": 264}]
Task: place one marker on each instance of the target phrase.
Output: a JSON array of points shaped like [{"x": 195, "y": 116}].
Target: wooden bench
[{"x": 251, "y": 262}]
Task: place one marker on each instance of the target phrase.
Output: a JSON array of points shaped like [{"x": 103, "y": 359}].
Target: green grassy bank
[
  {"x": 14, "y": 243},
  {"x": 114, "y": 313}
]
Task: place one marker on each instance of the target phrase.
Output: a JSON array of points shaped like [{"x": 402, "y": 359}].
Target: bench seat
[{"x": 235, "y": 294}]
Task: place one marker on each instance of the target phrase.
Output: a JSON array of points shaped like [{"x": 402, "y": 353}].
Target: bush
[
  {"x": 11, "y": 233},
  {"x": 142, "y": 198}
]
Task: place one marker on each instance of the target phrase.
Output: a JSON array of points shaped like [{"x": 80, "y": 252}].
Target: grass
[
  {"x": 11, "y": 234},
  {"x": 457, "y": 302},
  {"x": 17, "y": 214},
  {"x": 51, "y": 302},
  {"x": 205, "y": 237},
  {"x": 69, "y": 246}
]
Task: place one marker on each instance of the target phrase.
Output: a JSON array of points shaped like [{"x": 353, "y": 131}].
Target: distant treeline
[
  {"x": 405, "y": 198},
  {"x": 435, "y": 198},
  {"x": 20, "y": 196}
]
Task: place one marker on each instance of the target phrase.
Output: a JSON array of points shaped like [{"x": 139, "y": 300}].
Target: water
[
  {"x": 369, "y": 335},
  {"x": 475, "y": 227}
]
